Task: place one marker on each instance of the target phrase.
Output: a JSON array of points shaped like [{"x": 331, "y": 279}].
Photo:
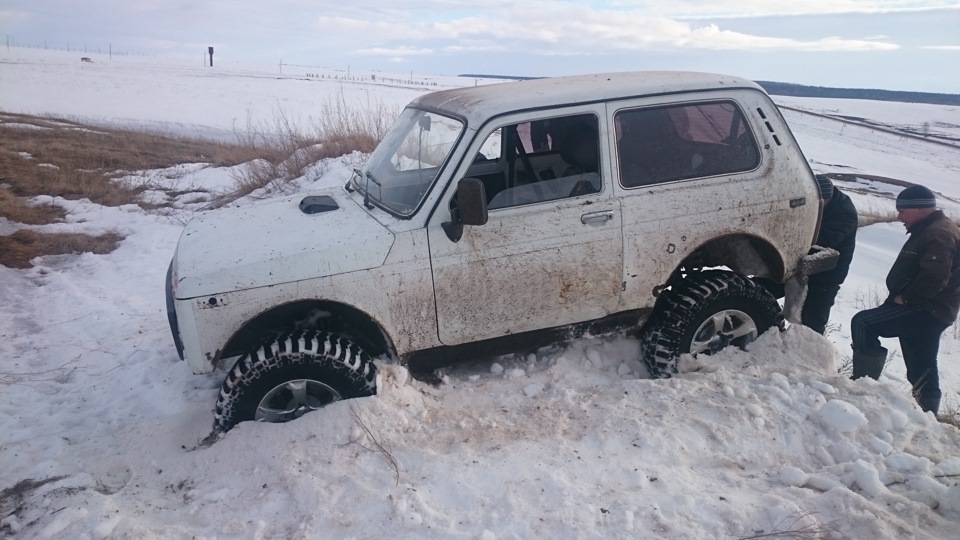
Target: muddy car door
[
  {"x": 693, "y": 176},
  {"x": 550, "y": 253}
]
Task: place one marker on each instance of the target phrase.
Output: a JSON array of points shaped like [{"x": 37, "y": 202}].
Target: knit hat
[
  {"x": 916, "y": 196},
  {"x": 825, "y": 185}
]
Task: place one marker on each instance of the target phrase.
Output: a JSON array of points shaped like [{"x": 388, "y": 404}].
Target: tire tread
[
  {"x": 662, "y": 337},
  {"x": 299, "y": 348}
]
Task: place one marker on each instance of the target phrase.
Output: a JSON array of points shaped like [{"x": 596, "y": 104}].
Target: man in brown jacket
[{"x": 924, "y": 285}]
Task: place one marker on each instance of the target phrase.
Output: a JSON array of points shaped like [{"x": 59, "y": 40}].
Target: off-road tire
[
  {"x": 683, "y": 308},
  {"x": 332, "y": 360}
]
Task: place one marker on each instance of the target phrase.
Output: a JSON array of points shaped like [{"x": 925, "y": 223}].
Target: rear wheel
[
  {"x": 288, "y": 377},
  {"x": 704, "y": 313}
]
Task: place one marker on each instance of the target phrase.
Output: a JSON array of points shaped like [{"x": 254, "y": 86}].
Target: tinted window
[{"x": 684, "y": 141}]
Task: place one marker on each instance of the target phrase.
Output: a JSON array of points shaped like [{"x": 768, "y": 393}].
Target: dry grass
[
  {"x": 871, "y": 216},
  {"x": 67, "y": 159},
  {"x": 17, "y": 249},
  {"x": 15, "y": 499},
  {"x": 64, "y": 158},
  {"x": 799, "y": 525},
  {"x": 14, "y": 209}
]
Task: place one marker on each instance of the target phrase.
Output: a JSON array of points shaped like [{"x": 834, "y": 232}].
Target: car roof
[{"x": 478, "y": 103}]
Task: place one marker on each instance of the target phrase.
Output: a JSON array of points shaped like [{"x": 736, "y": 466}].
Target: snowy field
[{"x": 101, "y": 418}]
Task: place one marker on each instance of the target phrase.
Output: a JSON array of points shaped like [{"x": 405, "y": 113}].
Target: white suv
[{"x": 499, "y": 218}]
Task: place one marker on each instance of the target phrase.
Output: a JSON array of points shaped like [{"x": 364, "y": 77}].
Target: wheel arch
[
  {"x": 743, "y": 253},
  {"x": 312, "y": 314},
  {"x": 667, "y": 333}
]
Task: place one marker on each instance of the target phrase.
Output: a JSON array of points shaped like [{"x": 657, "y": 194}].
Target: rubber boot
[
  {"x": 869, "y": 363},
  {"x": 928, "y": 401}
]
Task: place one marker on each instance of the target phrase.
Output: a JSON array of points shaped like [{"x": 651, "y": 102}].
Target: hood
[{"x": 276, "y": 242}]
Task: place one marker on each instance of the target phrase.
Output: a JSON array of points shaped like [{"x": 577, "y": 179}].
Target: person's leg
[
  {"x": 920, "y": 345},
  {"x": 816, "y": 308},
  {"x": 886, "y": 320}
]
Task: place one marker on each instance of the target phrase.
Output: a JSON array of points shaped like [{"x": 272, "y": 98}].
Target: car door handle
[{"x": 596, "y": 217}]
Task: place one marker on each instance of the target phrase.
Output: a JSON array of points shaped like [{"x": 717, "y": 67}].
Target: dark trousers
[
  {"x": 816, "y": 308},
  {"x": 919, "y": 334}
]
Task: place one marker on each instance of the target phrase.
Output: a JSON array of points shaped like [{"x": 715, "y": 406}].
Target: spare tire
[{"x": 704, "y": 313}]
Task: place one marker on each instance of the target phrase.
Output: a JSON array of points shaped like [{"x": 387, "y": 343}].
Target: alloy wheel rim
[
  {"x": 730, "y": 326},
  {"x": 292, "y": 399}
]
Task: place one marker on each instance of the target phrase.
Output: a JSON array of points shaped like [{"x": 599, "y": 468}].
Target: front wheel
[
  {"x": 288, "y": 377},
  {"x": 704, "y": 313}
]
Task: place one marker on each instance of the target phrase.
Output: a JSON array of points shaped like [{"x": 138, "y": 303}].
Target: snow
[
  {"x": 939, "y": 120},
  {"x": 840, "y": 415},
  {"x": 174, "y": 95},
  {"x": 572, "y": 441}
]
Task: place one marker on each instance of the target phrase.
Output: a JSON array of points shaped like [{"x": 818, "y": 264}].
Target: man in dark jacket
[
  {"x": 924, "y": 285},
  {"x": 838, "y": 230}
]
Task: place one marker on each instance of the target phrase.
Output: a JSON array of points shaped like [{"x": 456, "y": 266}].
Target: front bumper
[{"x": 172, "y": 312}]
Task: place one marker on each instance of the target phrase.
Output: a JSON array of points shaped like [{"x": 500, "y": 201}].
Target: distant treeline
[
  {"x": 505, "y": 77},
  {"x": 799, "y": 90}
]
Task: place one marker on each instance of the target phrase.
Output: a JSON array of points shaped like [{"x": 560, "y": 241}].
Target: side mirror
[
  {"x": 471, "y": 209},
  {"x": 424, "y": 123},
  {"x": 472, "y": 201}
]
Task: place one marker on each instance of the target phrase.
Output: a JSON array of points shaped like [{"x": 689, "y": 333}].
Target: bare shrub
[
  {"x": 869, "y": 298},
  {"x": 377, "y": 443},
  {"x": 287, "y": 148},
  {"x": 846, "y": 366},
  {"x": 353, "y": 127},
  {"x": 280, "y": 150},
  {"x": 950, "y": 412}
]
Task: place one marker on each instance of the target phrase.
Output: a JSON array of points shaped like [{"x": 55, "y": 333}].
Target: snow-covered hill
[{"x": 100, "y": 422}]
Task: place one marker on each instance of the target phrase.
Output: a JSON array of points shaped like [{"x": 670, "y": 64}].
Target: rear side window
[{"x": 663, "y": 144}]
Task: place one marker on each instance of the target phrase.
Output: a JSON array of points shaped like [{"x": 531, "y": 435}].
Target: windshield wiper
[{"x": 366, "y": 190}]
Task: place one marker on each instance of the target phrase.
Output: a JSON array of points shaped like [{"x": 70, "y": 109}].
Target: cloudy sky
[{"x": 891, "y": 44}]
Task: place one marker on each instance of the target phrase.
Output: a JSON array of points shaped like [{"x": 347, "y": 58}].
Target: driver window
[{"x": 540, "y": 160}]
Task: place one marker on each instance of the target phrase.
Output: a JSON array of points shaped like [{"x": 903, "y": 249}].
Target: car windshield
[{"x": 400, "y": 171}]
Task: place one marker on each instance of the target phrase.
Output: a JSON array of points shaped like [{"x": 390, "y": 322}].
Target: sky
[
  {"x": 889, "y": 44},
  {"x": 100, "y": 421}
]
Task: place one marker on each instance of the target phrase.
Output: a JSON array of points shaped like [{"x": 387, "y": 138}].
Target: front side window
[
  {"x": 662, "y": 144},
  {"x": 401, "y": 170},
  {"x": 540, "y": 160}
]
